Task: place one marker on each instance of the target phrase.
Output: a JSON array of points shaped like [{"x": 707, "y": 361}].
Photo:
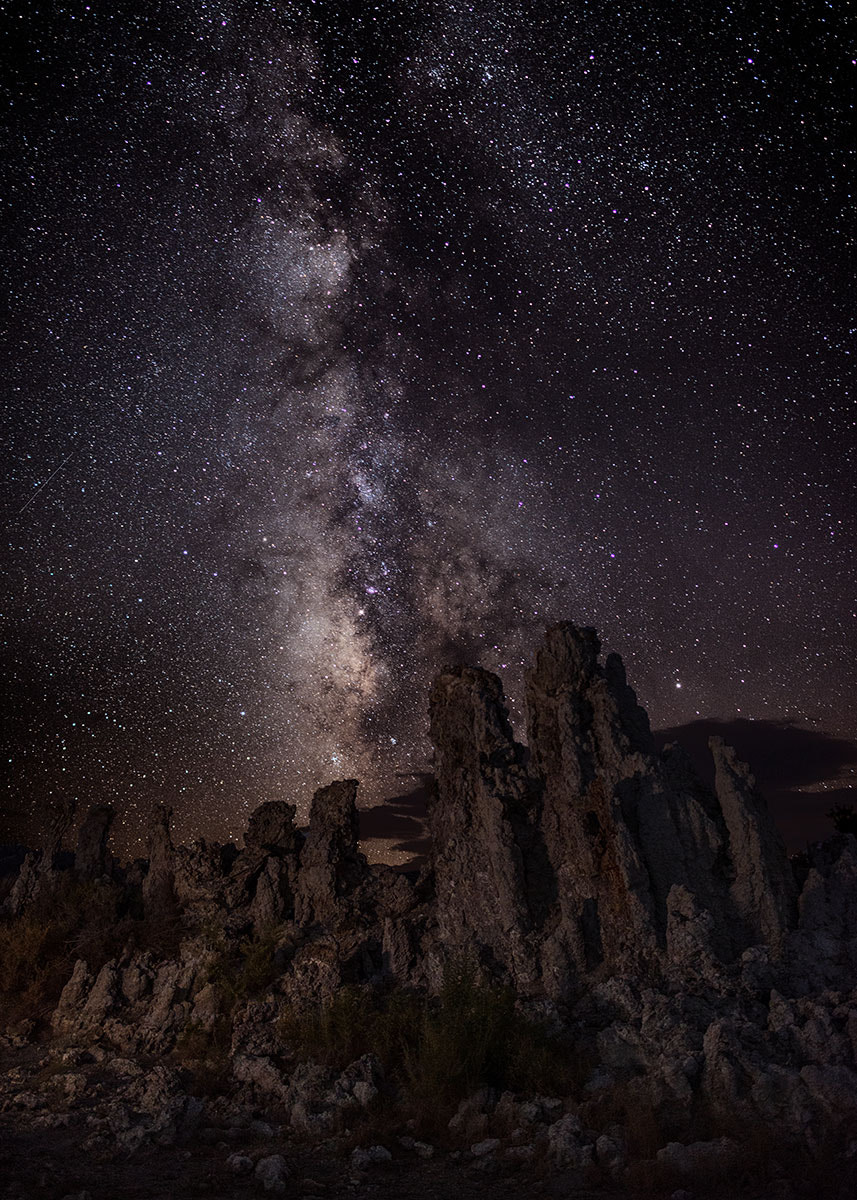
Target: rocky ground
[{"x": 80, "y": 1124}]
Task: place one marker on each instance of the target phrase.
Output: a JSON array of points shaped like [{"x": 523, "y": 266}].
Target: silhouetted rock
[
  {"x": 588, "y": 744},
  {"x": 39, "y": 870},
  {"x": 264, "y": 874},
  {"x": 822, "y": 950},
  {"x": 331, "y": 866},
  {"x": 272, "y": 828},
  {"x": 763, "y": 891},
  {"x": 483, "y": 805},
  {"x": 90, "y": 858},
  {"x": 199, "y": 878},
  {"x": 159, "y": 894},
  {"x": 25, "y": 889}
]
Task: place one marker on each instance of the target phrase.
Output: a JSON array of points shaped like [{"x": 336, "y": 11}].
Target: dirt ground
[{"x": 39, "y": 1165}]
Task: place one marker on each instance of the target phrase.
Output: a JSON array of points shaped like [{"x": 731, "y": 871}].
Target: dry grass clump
[
  {"x": 248, "y": 970},
  {"x": 436, "y": 1050},
  {"x": 36, "y": 964},
  {"x": 205, "y": 1051},
  {"x": 38, "y": 949}
]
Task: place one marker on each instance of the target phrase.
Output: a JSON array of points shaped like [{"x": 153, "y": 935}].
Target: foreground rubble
[{"x": 673, "y": 1005}]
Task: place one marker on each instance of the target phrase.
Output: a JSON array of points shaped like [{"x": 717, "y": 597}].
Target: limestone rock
[
  {"x": 651, "y": 920},
  {"x": 691, "y": 934},
  {"x": 90, "y": 859},
  {"x": 271, "y": 828},
  {"x": 358, "y": 1084},
  {"x": 73, "y": 997},
  {"x": 623, "y": 827},
  {"x": 763, "y": 891},
  {"x": 137, "y": 977},
  {"x": 568, "y": 1145},
  {"x": 273, "y": 895},
  {"x": 199, "y": 876},
  {"x": 159, "y": 895},
  {"x": 264, "y": 874},
  {"x": 481, "y": 821},
  {"x": 611, "y": 1152},
  {"x": 485, "y": 1147},
  {"x": 61, "y": 821},
  {"x": 822, "y": 950},
  {"x": 271, "y": 1172},
  {"x": 589, "y": 743},
  {"x": 332, "y": 868},
  {"x": 39, "y": 874},
  {"x": 370, "y": 1156},
  {"x": 263, "y": 1075},
  {"x": 102, "y": 999},
  {"x": 27, "y": 884}
]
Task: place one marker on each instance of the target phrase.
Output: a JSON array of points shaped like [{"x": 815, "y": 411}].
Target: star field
[{"x": 351, "y": 340}]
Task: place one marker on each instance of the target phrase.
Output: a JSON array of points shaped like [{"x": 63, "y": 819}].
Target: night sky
[{"x": 347, "y": 341}]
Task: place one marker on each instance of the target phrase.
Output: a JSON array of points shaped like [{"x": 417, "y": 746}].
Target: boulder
[{"x": 271, "y": 1172}]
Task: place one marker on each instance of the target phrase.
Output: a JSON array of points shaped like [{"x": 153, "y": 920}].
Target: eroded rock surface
[
  {"x": 481, "y": 823},
  {"x": 650, "y": 919},
  {"x": 331, "y": 865}
]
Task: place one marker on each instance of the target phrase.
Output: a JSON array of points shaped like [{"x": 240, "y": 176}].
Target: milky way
[{"x": 369, "y": 338}]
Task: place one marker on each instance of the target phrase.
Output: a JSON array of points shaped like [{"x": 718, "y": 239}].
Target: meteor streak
[{"x": 42, "y": 486}]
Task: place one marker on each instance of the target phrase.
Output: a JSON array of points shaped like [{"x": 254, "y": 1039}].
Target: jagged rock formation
[
  {"x": 37, "y": 875},
  {"x": 583, "y": 856},
  {"x": 480, "y": 822},
  {"x": 90, "y": 859},
  {"x": 159, "y": 884},
  {"x": 763, "y": 890},
  {"x": 331, "y": 868},
  {"x": 266, "y": 873},
  {"x": 654, "y": 917},
  {"x": 575, "y": 864}
]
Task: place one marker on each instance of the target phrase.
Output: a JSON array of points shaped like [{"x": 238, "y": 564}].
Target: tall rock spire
[
  {"x": 481, "y": 823},
  {"x": 763, "y": 889},
  {"x": 590, "y": 750}
]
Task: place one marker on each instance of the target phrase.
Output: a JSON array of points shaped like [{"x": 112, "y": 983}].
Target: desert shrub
[
  {"x": 197, "y": 1041},
  {"x": 90, "y": 912},
  {"x": 259, "y": 970},
  {"x": 354, "y": 1022},
  {"x": 38, "y": 948},
  {"x": 247, "y": 971},
  {"x": 630, "y": 1104},
  {"x": 334, "y": 1033},
  {"x": 205, "y": 1052},
  {"x": 438, "y": 1050},
  {"x": 34, "y": 964},
  {"x": 474, "y": 1036},
  {"x": 162, "y": 935}
]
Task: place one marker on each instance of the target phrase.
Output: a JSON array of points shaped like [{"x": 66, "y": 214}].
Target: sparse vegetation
[
  {"x": 36, "y": 965},
  {"x": 204, "y": 1050},
  {"x": 247, "y": 972},
  {"x": 38, "y": 949},
  {"x": 473, "y": 1036},
  {"x": 438, "y": 1050}
]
